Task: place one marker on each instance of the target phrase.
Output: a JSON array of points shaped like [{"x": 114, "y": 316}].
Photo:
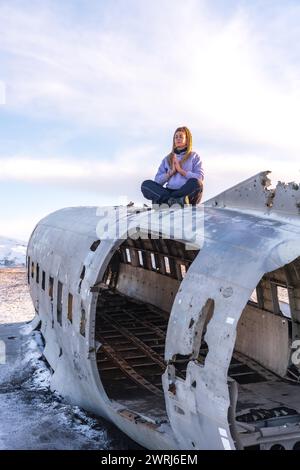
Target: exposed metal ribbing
[{"x": 128, "y": 370}]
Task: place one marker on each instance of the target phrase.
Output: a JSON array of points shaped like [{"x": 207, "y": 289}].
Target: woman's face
[{"x": 180, "y": 139}]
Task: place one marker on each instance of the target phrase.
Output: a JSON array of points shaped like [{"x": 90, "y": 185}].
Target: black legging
[{"x": 158, "y": 194}]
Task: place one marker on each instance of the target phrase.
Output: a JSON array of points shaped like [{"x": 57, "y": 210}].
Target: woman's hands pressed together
[
  {"x": 177, "y": 166},
  {"x": 172, "y": 171}
]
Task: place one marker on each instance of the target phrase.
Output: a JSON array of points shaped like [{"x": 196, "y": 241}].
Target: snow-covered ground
[
  {"x": 12, "y": 252},
  {"x": 15, "y": 301},
  {"x": 31, "y": 416}
]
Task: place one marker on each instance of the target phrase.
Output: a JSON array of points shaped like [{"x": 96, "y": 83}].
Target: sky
[{"x": 91, "y": 92}]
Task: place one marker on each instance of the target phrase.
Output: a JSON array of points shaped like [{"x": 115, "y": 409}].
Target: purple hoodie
[{"x": 193, "y": 167}]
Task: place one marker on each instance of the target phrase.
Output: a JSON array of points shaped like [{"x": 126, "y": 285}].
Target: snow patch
[{"x": 12, "y": 252}]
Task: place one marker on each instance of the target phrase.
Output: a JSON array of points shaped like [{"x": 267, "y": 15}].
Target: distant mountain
[{"x": 12, "y": 252}]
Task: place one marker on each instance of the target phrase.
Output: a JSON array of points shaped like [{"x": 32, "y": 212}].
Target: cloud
[
  {"x": 123, "y": 174},
  {"x": 224, "y": 170},
  {"x": 154, "y": 66},
  {"x": 119, "y": 175},
  {"x": 2, "y": 92}
]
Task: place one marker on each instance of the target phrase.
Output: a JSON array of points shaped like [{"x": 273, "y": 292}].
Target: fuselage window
[
  {"x": 51, "y": 287},
  {"x": 167, "y": 264},
  {"x": 43, "y": 280},
  {"x": 37, "y": 273},
  {"x": 128, "y": 255},
  {"x": 141, "y": 258},
  {"x": 153, "y": 261},
  {"x": 283, "y": 300},
  {"x": 70, "y": 307},
  {"x": 183, "y": 270},
  {"x": 59, "y": 302},
  {"x": 82, "y": 322},
  {"x": 28, "y": 269}
]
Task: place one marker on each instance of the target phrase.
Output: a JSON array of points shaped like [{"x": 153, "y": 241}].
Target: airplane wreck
[{"x": 180, "y": 345}]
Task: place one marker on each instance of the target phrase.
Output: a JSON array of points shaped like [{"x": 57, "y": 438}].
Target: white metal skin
[{"x": 245, "y": 236}]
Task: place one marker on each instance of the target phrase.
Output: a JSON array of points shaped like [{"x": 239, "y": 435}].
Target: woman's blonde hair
[{"x": 189, "y": 143}]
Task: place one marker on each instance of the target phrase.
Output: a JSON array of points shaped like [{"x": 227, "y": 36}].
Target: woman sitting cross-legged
[{"x": 182, "y": 170}]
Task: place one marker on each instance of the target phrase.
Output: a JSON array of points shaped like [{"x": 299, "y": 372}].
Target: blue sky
[{"x": 91, "y": 92}]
